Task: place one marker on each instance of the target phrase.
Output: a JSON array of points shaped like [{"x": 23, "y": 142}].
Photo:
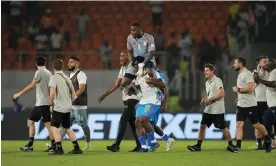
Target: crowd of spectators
[{"x": 33, "y": 22}]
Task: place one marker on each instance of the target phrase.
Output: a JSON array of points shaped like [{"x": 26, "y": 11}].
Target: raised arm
[{"x": 271, "y": 84}]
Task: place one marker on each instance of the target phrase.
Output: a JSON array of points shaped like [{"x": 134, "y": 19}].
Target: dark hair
[
  {"x": 241, "y": 60},
  {"x": 58, "y": 64},
  {"x": 262, "y": 57},
  {"x": 210, "y": 66},
  {"x": 40, "y": 61},
  {"x": 75, "y": 58},
  {"x": 136, "y": 25},
  {"x": 157, "y": 60}
]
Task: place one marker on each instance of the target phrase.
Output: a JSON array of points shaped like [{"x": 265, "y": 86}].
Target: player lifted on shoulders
[
  {"x": 140, "y": 47},
  {"x": 214, "y": 110}
]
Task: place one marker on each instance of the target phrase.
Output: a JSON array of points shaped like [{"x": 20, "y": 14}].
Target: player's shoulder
[
  {"x": 53, "y": 77},
  {"x": 247, "y": 72},
  {"x": 273, "y": 72},
  {"x": 218, "y": 79},
  {"x": 129, "y": 37},
  {"x": 81, "y": 73},
  {"x": 148, "y": 35}
]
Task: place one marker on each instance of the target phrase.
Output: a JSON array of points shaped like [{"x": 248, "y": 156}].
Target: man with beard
[
  {"x": 270, "y": 117},
  {"x": 141, "y": 47},
  {"x": 247, "y": 102},
  {"x": 260, "y": 92},
  {"x": 79, "y": 106}
]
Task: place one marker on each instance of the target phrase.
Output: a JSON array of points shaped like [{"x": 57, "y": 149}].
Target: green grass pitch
[{"x": 213, "y": 154}]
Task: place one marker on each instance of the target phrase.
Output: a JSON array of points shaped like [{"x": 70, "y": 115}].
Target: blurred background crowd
[{"x": 187, "y": 35}]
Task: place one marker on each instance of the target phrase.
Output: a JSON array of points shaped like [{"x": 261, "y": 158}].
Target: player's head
[
  {"x": 149, "y": 67},
  {"x": 73, "y": 63},
  {"x": 58, "y": 65},
  {"x": 263, "y": 62},
  {"x": 40, "y": 61},
  {"x": 124, "y": 58},
  {"x": 239, "y": 63},
  {"x": 271, "y": 64},
  {"x": 136, "y": 30},
  {"x": 209, "y": 70}
]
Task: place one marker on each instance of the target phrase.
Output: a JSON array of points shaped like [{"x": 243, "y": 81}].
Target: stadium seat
[{"x": 110, "y": 21}]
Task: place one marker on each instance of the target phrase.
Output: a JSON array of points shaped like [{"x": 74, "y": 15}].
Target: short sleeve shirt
[
  {"x": 212, "y": 89},
  {"x": 246, "y": 99}
]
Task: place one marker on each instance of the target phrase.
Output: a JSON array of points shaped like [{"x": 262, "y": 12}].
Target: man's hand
[
  {"x": 206, "y": 101},
  {"x": 101, "y": 98},
  {"x": 236, "y": 101},
  {"x": 51, "y": 108},
  {"x": 16, "y": 96},
  {"x": 256, "y": 77},
  {"x": 202, "y": 101},
  {"x": 235, "y": 89}
]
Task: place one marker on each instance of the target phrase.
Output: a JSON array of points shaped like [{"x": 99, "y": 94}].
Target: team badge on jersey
[{"x": 147, "y": 108}]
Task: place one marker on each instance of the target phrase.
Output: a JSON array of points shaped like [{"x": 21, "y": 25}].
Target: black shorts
[
  {"x": 217, "y": 119},
  {"x": 262, "y": 107},
  {"x": 250, "y": 112},
  {"x": 62, "y": 119},
  {"x": 41, "y": 112}
]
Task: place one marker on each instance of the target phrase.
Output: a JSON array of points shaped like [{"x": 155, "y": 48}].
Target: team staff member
[
  {"x": 247, "y": 103},
  {"x": 42, "y": 104},
  {"x": 214, "y": 110},
  {"x": 62, "y": 94},
  {"x": 260, "y": 92},
  {"x": 270, "y": 117},
  {"x": 79, "y": 109},
  {"x": 129, "y": 101}
]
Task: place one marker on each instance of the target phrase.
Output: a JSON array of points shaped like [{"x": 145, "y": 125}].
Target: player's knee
[
  {"x": 137, "y": 122},
  {"x": 256, "y": 125},
  {"x": 239, "y": 124},
  {"x": 47, "y": 124}
]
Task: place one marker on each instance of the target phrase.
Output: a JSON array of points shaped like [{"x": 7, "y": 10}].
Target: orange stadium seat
[{"x": 111, "y": 21}]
